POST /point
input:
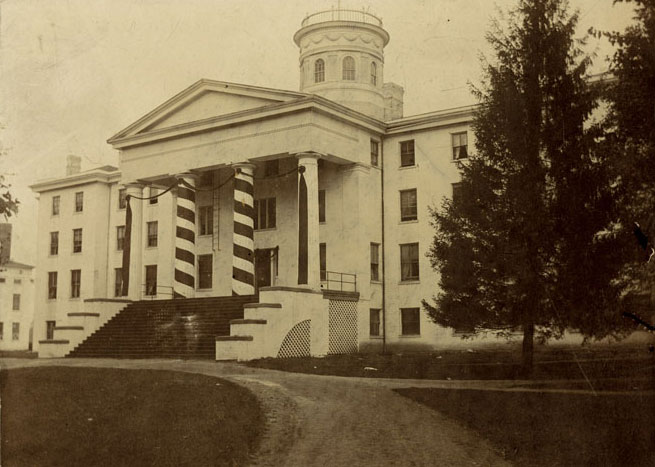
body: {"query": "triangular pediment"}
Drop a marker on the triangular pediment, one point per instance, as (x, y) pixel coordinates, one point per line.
(204, 100)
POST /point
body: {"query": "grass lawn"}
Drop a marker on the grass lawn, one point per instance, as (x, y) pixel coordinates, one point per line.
(59, 416)
(494, 363)
(547, 429)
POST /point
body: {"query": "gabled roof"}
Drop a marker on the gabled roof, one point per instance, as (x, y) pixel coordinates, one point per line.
(205, 99)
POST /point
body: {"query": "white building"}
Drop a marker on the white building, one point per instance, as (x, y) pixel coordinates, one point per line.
(315, 202)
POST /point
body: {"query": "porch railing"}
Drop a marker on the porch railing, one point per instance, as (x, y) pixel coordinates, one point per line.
(152, 291)
(341, 14)
(341, 281)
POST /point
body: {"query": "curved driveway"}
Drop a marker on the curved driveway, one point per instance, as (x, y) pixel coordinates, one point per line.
(330, 420)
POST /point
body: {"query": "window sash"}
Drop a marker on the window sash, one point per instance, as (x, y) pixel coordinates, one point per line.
(15, 331)
(77, 240)
(374, 74)
(348, 69)
(410, 321)
(321, 205)
(408, 205)
(322, 252)
(407, 153)
(272, 168)
(375, 262)
(374, 322)
(118, 282)
(120, 237)
(50, 329)
(15, 305)
(205, 270)
(460, 145)
(76, 279)
(55, 205)
(375, 151)
(409, 264)
(265, 213)
(52, 285)
(319, 71)
(206, 220)
(54, 243)
(122, 198)
(153, 192)
(79, 201)
(152, 234)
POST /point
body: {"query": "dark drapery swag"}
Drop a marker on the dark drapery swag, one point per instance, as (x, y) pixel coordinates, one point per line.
(125, 270)
(302, 228)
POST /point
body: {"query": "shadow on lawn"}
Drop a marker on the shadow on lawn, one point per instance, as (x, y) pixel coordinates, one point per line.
(548, 429)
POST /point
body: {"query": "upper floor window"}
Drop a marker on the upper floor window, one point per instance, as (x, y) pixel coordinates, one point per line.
(349, 69)
(2, 330)
(374, 74)
(79, 201)
(16, 302)
(322, 259)
(265, 213)
(410, 321)
(122, 198)
(407, 158)
(460, 145)
(408, 208)
(76, 280)
(55, 205)
(152, 234)
(457, 191)
(120, 237)
(321, 205)
(206, 220)
(52, 285)
(375, 261)
(272, 168)
(118, 282)
(77, 240)
(54, 243)
(409, 262)
(375, 153)
(153, 192)
(319, 71)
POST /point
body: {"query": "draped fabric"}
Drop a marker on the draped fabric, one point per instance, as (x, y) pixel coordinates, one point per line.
(127, 243)
(303, 247)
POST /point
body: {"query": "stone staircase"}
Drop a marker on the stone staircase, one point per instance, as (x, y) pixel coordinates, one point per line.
(182, 328)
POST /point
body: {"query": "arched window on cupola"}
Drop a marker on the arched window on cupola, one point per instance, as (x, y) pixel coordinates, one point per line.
(374, 74)
(349, 69)
(319, 71)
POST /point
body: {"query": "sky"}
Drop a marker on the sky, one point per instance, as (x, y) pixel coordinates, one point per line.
(75, 72)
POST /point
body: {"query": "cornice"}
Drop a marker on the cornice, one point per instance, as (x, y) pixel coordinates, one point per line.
(430, 120)
(84, 178)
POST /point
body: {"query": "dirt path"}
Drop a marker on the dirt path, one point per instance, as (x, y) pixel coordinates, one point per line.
(332, 421)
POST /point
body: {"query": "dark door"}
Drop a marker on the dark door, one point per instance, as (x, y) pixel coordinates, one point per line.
(263, 267)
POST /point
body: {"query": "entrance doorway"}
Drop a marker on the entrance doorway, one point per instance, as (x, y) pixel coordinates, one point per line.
(265, 266)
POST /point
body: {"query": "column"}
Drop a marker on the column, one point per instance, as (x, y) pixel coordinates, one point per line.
(184, 284)
(243, 256)
(308, 241)
(133, 243)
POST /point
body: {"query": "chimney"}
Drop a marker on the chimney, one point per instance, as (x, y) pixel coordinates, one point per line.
(393, 101)
(5, 243)
(73, 164)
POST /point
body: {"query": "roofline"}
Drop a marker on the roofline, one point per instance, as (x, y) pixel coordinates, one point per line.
(83, 178)
(16, 265)
(197, 85)
(307, 102)
(432, 119)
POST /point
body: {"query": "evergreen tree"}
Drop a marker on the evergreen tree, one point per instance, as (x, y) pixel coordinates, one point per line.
(520, 244)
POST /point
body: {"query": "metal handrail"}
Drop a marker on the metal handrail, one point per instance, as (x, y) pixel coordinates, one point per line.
(339, 281)
(169, 292)
(340, 14)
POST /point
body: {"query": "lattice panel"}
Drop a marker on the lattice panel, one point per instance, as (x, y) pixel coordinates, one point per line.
(296, 342)
(343, 327)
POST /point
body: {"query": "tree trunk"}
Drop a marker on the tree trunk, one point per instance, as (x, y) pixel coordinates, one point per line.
(528, 348)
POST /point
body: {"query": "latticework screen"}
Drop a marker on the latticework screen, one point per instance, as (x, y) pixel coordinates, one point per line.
(343, 327)
(296, 342)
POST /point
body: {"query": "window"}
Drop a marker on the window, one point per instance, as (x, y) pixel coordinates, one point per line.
(374, 322)
(118, 282)
(457, 191)
(18, 281)
(375, 153)
(50, 330)
(374, 74)
(2, 330)
(319, 71)
(460, 145)
(272, 168)
(16, 302)
(120, 237)
(410, 321)
(122, 198)
(321, 205)
(375, 261)
(52, 285)
(55, 205)
(15, 331)
(407, 158)
(349, 69)
(2, 280)
(54, 243)
(76, 279)
(153, 192)
(77, 240)
(206, 220)
(408, 205)
(322, 252)
(265, 213)
(205, 267)
(152, 234)
(79, 201)
(409, 262)
(151, 280)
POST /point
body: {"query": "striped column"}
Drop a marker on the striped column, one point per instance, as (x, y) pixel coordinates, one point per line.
(243, 257)
(185, 238)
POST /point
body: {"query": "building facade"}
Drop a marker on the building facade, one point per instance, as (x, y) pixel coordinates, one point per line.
(229, 189)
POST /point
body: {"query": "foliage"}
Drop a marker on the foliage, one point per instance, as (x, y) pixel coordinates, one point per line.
(8, 204)
(522, 244)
